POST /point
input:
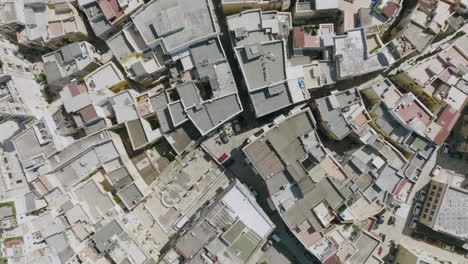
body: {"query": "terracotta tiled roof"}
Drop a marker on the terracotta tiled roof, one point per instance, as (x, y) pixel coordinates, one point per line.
(390, 9)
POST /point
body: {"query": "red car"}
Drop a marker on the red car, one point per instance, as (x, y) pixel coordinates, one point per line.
(223, 158)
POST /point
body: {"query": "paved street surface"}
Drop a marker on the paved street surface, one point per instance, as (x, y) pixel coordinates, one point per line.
(449, 161)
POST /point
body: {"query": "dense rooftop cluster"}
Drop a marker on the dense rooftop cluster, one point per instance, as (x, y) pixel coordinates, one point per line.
(209, 131)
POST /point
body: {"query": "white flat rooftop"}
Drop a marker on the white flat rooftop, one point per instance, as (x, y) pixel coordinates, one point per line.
(247, 212)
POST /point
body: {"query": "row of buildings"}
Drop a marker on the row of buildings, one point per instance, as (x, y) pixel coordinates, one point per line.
(112, 173)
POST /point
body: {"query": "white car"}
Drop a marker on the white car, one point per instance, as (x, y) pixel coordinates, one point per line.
(417, 209)
(413, 223)
(435, 171)
(422, 196)
(276, 238)
(445, 148)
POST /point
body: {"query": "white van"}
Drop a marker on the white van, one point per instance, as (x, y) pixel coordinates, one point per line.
(275, 237)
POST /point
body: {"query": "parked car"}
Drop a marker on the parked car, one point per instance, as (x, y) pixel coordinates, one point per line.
(253, 191)
(422, 196)
(413, 223)
(391, 220)
(236, 126)
(417, 209)
(276, 238)
(382, 236)
(223, 158)
(224, 138)
(445, 148)
(267, 245)
(435, 171)
(380, 220)
(417, 236)
(448, 247)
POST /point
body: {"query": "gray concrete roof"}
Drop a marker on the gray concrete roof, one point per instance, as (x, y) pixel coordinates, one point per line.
(60, 246)
(194, 240)
(333, 118)
(262, 64)
(189, 94)
(70, 51)
(130, 195)
(417, 35)
(282, 146)
(136, 133)
(85, 162)
(366, 245)
(205, 55)
(205, 115)
(6, 211)
(159, 103)
(177, 22)
(30, 200)
(250, 20)
(313, 194)
(178, 114)
(277, 181)
(120, 178)
(179, 139)
(98, 202)
(352, 57)
(52, 71)
(120, 46)
(100, 25)
(347, 97)
(271, 99)
(104, 238)
(28, 147)
(388, 179)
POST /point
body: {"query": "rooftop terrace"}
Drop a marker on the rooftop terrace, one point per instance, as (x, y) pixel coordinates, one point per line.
(262, 64)
(178, 23)
(352, 56)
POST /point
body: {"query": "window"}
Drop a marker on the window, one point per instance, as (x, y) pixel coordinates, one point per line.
(430, 218)
(424, 215)
(19, 181)
(434, 187)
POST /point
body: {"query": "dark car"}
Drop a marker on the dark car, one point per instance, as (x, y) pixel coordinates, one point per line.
(417, 236)
(380, 220)
(391, 220)
(224, 138)
(382, 236)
